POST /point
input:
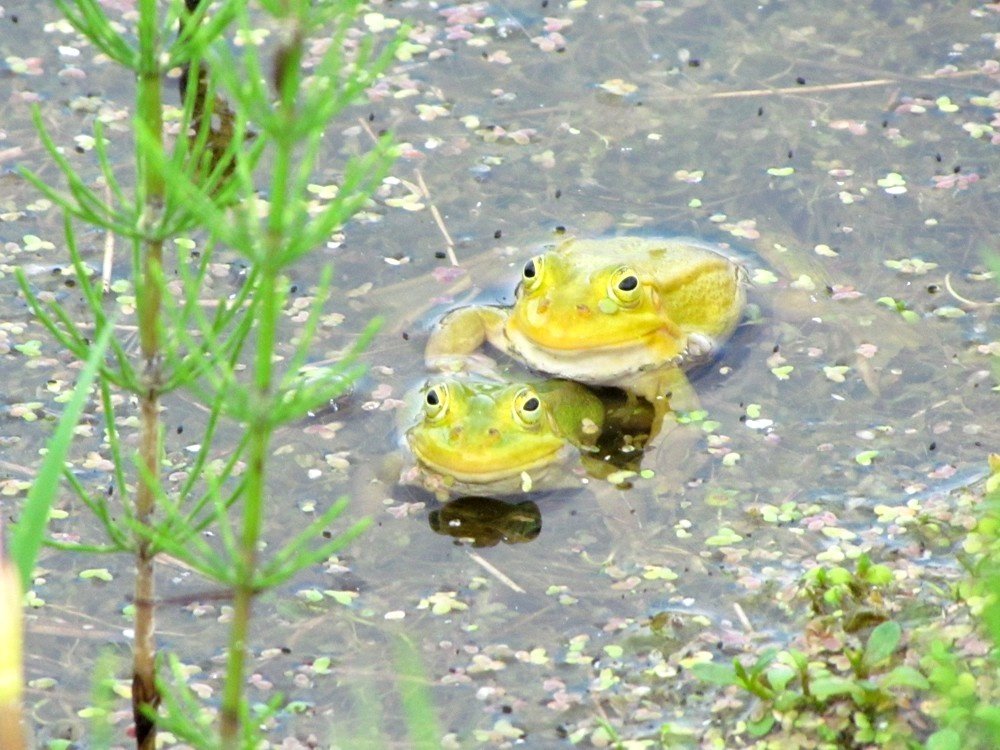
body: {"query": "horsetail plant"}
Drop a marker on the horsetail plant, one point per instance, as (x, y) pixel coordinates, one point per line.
(207, 182)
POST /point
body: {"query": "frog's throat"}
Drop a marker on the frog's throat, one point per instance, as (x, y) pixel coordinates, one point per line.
(601, 366)
(484, 476)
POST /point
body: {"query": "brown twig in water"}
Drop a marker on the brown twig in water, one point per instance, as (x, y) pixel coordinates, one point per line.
(496, 573)
(964, 300)
(449, 242)
(108, 260)
(819, 88)
(742, 617)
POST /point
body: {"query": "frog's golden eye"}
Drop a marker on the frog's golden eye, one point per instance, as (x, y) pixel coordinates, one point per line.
(531, 274)
(527, 407)
(624, 287)
(436, 402)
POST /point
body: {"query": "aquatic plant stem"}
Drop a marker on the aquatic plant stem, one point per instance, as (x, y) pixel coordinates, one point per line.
(261, 429)
(149, 275)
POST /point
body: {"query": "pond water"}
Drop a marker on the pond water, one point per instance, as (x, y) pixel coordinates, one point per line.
(845, 151)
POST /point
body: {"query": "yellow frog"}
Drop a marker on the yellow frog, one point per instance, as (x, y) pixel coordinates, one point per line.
(481, 437)
(627, 312)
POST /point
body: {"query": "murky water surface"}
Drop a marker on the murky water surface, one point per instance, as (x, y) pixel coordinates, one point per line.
(846, 151)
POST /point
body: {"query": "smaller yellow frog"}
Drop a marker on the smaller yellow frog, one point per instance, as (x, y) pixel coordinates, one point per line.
(481, 437)
(627, 312)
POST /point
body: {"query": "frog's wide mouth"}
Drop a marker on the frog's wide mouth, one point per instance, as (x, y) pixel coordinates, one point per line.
(590, 338)
(480, 468)
(597, 364)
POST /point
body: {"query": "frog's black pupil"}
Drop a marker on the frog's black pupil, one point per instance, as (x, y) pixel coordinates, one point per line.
(628, 283)
(432, 398)
(529, 269)
(531, 404)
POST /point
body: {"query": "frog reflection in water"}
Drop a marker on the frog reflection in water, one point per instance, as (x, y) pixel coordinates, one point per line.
(627, 312)
(481, 437)
(486, 521)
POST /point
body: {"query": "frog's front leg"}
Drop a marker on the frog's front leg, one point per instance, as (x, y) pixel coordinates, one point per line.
(669, 391)
(458, 336)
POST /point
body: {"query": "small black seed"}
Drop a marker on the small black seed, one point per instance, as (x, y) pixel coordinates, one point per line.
(558, 194)
(801, 81)
(371, 117)
(956, 169)
(180, 429)
(497, 234)
(694, 62)
(760, 111)
(560, 229)
(932, 446)
(406, 336)
(440, 255)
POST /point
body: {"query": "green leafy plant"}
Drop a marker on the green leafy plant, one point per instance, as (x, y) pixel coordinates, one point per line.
(843, 685)
(967, 689)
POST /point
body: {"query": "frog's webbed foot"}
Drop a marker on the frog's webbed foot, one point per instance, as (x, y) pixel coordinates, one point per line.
(478, 364)
(460, 334)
